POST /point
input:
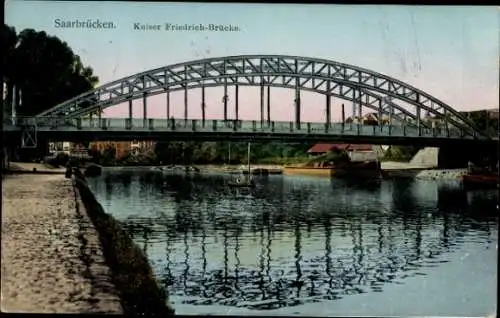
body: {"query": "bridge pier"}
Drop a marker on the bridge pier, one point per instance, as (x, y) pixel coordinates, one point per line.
(453, 157)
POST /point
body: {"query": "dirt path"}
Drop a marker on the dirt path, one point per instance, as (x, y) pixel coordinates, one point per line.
(51, 258)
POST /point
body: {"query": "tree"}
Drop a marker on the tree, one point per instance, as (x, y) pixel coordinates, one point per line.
(44, 68)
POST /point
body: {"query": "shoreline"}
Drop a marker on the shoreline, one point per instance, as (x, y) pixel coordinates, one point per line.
(131, 271)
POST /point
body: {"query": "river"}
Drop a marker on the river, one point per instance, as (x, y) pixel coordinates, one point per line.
(311, 246)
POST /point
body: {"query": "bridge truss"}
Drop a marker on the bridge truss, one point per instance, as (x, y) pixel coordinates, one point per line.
(366, 89)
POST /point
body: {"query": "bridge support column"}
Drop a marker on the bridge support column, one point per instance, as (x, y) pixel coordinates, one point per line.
(203, 106)
(236, 101)
(145, 109)
(268, 105)
(328, 111)
(224, 99)
(297, 105)
(185, 105)
(261, 102)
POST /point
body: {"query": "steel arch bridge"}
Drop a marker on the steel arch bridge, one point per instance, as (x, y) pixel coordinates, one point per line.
(383, 95)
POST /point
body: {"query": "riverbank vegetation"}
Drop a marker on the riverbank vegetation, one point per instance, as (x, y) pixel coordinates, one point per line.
(400, 153)
(217, 153)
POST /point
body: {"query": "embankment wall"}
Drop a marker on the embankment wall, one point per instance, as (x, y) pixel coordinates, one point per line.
(132, 275)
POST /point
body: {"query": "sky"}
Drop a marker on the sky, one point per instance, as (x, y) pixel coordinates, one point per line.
(449, 52)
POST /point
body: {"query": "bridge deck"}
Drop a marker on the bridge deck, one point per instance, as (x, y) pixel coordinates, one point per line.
(126, 129)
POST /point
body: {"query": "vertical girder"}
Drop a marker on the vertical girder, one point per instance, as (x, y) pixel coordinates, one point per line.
(203, 106)
(144, 101)
(268, 104)
(145, 106)
(343, 114)
(224, 99)
(297, 97)
(262, 101)
(236, 102)
(185, 104)
(328, 105)
(130, 110)
(168, 104)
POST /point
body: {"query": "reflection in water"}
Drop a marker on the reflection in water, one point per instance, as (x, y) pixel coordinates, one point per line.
(295, 240)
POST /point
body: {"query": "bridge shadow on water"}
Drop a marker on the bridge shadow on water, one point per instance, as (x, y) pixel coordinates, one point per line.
(294, 240)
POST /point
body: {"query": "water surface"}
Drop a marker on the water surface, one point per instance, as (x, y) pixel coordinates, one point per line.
(311, 246)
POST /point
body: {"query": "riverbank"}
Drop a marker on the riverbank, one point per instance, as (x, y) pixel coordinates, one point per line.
(32, 168)
(52, 261)
(131, 272)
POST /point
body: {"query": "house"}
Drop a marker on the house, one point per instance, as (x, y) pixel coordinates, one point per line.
(357, 152)
(123, 147)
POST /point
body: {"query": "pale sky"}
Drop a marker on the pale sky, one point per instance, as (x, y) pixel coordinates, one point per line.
(449, 52)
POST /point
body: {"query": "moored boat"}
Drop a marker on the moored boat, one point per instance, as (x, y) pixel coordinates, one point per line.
(480, 180)
(369, 169)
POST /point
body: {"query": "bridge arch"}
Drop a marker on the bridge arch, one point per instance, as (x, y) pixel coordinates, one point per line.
(383, 94)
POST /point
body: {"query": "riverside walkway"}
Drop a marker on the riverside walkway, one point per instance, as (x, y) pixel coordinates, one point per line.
(52, 261)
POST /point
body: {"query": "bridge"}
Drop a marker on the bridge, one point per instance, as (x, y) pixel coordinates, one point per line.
(404, 113)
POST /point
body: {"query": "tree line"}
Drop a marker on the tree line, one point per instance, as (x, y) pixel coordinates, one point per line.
(192, 153)
(42, 69)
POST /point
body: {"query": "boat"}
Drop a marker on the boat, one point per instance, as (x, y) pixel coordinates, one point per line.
(480, 180)
(481, 177)
(245, 180)
(368, 169)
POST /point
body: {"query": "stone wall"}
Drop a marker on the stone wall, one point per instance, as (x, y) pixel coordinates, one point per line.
(132, 275)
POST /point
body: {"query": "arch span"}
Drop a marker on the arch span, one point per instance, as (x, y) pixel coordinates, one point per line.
(381, 93)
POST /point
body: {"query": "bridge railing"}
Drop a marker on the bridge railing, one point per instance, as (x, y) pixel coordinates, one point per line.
(194, 125)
